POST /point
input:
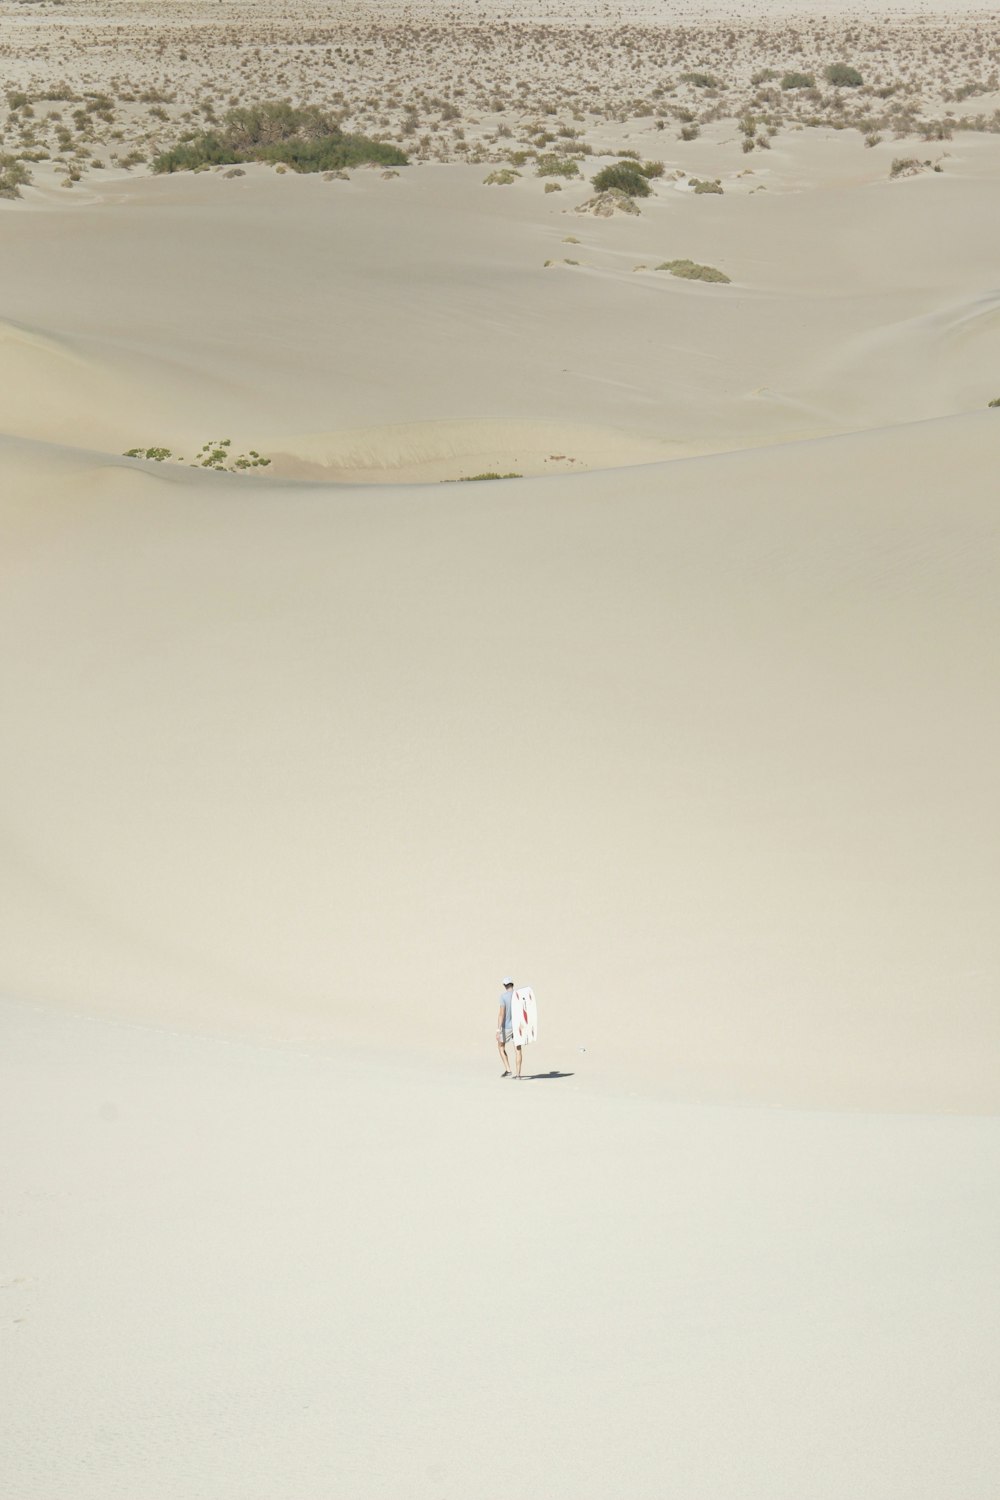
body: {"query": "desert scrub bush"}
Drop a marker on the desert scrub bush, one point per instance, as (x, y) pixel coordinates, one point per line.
(556, 166)
(795, 80)
(690, 132)
(764, 75)
(706, 185)
(701, 80)
(910, 166)
(690, 270)
(652, 169)
(155, 455)
(216, 455)
(307, 140)
(842, 76)
(994, 402)
(470, 478)
(59, 93)
(626, 176)
(503, 177)
(14, 175)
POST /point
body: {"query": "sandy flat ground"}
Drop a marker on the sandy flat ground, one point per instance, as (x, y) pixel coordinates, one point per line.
(694, 726)
(303, 1273)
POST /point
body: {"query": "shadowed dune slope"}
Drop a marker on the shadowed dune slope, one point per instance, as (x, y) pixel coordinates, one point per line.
(706, 750)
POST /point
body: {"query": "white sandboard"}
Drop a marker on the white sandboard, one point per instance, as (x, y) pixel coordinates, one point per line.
(524, 1017)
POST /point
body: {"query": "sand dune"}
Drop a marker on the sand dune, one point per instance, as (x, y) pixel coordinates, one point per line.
(694, 726)
(715, 735)
(415, 451)
(172, 325)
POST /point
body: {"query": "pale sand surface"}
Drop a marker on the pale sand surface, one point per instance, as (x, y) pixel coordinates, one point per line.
(695, 727)
(244, 1271)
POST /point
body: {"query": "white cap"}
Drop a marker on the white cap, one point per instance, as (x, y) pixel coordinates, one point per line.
(506, 981)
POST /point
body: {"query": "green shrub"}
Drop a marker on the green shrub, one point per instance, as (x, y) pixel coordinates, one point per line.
(651, 169)
(690, 132)
(994, 402)
(14, 175)
(703, 185)
(156, 455)
(555, 166)
(690, 270)
(701, 80)
(502, 177)
(764, 75)
(798, 81)
(842, 76)
(307, 140)
(626, 176)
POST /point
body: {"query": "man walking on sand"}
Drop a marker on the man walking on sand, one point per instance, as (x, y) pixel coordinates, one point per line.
(505, 1028)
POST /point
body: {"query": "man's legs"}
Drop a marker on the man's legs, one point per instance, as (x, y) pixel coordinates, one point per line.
(502, 1049)
(518, 1053)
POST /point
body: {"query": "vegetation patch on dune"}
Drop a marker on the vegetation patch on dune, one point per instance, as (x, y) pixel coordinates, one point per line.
(14, 175)
(690, 270)
(487, 95)
(307, 140)
(490, 474)
(911, 166)
(706, 185)
(556, 166)
(215, 454)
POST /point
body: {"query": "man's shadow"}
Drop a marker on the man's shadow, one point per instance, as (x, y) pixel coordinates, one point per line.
(540, 1077)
